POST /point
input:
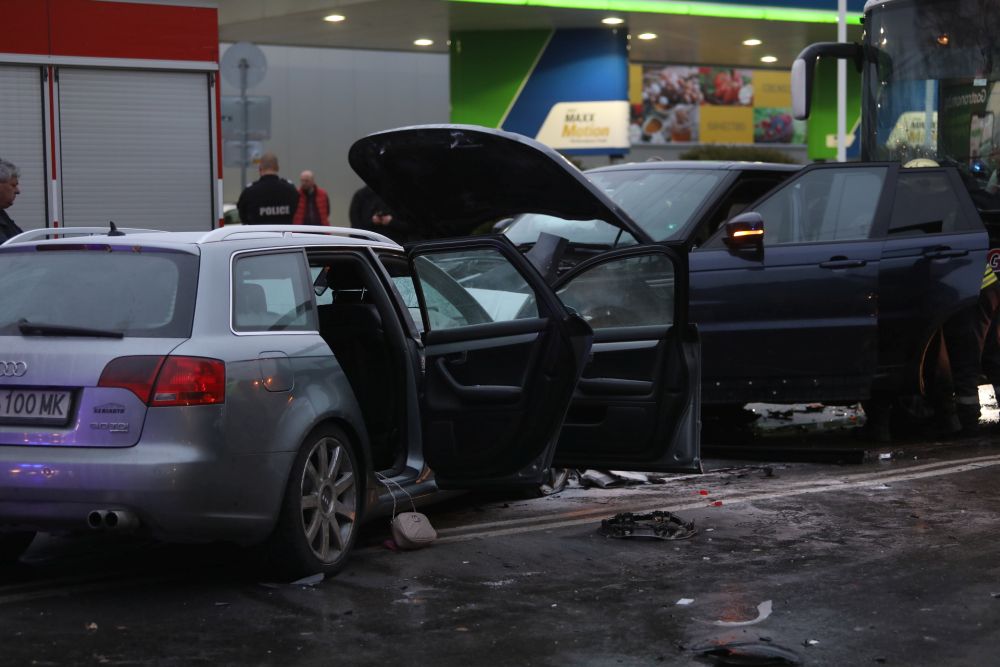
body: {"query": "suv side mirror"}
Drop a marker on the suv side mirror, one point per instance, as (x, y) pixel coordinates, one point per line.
(745, 231)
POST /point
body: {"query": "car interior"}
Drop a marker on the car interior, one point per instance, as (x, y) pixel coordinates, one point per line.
(352, 321)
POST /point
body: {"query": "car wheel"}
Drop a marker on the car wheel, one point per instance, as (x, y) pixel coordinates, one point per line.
(13, 545)
(321, 509)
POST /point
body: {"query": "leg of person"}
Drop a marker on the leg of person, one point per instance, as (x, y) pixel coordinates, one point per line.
(963, 341)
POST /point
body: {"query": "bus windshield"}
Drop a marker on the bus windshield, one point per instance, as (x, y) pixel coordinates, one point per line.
(931, 78)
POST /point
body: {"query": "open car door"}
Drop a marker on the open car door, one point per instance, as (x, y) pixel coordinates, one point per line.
(502, 356)
(637, 405)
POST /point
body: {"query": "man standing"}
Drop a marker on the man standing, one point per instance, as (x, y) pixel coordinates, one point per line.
(270, 200)
(8, 191)
(314, 203)
(368, 211)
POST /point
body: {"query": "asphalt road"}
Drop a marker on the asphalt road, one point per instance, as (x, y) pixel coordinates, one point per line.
(886, 562)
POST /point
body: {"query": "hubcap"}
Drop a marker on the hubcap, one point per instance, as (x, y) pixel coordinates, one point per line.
(329, 499)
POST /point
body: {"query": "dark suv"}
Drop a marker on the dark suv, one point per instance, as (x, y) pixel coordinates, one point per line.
(829, 286)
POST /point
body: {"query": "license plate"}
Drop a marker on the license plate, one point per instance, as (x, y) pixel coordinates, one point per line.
(34, 406)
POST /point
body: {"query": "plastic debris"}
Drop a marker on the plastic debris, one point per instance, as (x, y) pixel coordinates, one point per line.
(702, 492)
(763, 611)
(716, 503)
(810, 642)
(885, 456)
(91, 626)
(684, 601)
(311, 580)
(658, 525)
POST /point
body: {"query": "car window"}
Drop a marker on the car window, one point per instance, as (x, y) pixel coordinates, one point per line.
(625, 292)
(272, 292)
(823, 205)
(925, 203)
(144, 293)
(472, 286)
(751, 187)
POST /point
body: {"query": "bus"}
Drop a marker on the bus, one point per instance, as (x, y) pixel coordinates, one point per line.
(930, 73)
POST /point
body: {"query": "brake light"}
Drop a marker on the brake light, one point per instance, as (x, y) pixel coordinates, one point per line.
(166, 381)
(190, 381)
(137, 374)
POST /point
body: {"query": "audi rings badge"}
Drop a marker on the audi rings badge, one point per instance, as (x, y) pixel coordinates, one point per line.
(13, 369)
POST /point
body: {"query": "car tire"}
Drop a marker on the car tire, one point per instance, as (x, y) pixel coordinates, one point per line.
(13, 545)
(321, 510)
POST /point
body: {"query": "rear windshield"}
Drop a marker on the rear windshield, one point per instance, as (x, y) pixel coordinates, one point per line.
(145, 293)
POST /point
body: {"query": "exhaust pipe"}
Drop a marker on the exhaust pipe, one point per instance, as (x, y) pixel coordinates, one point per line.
(118, 520)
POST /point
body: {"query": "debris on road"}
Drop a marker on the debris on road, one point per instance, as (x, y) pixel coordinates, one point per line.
(747, 653)
(658, 525)
(763, 612)
(810, 642)
(684, 601)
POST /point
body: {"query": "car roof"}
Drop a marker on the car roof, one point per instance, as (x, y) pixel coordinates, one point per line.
(296, 235)
(716, 165)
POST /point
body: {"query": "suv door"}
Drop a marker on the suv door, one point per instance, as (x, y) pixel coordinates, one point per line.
(501, 357)
(637, 405)
(796, 318)
(932, 263)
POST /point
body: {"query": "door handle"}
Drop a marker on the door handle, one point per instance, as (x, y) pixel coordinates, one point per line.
(944, 252)
(841, 262)
(480, 393)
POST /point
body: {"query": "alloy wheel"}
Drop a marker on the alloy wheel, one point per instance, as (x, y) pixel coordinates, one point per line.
(329, 499)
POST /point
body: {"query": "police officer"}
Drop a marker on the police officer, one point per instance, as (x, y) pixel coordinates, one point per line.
(270, 200)
(8, 191)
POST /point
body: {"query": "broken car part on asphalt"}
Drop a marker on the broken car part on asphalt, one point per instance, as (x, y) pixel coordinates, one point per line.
(658, 525)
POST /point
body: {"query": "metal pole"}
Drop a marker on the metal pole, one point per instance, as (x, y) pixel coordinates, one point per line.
(245, 103)
(841, 84)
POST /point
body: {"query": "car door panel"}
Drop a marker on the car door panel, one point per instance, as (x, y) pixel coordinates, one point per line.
(932, 264)
(498, 379)
(797, 318)
(637, 404)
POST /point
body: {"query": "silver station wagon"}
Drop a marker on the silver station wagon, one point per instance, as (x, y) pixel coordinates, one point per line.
(276, 384)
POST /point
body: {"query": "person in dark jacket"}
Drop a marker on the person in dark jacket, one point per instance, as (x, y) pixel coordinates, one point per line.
(314, 202)
(368, 211)
(9, 175)
(270, 200)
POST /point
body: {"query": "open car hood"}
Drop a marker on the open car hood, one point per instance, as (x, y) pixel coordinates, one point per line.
(446, 180)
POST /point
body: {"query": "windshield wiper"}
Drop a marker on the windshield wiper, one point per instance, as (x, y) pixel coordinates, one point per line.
(41, 329)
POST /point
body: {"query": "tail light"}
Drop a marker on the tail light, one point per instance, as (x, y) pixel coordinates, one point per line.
(166, 381)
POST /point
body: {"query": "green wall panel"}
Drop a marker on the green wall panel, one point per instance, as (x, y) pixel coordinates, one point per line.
(823, 117)
(487, 69)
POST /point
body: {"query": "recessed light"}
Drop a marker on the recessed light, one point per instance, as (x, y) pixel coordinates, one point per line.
(334, 18)
(769, 59)
(612, 20)
(752, 42)
(423, 41)
(647, 35)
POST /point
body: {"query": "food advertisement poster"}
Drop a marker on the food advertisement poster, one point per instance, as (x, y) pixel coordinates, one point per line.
(680, 103)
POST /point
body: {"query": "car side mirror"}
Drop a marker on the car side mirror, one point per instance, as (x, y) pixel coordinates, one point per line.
(746, 230)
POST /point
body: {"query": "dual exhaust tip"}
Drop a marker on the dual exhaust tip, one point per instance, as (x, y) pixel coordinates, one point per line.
(123, 520)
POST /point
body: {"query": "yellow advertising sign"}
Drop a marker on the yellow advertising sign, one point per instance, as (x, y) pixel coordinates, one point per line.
(772, 89)
(634, 83)
(726, 125)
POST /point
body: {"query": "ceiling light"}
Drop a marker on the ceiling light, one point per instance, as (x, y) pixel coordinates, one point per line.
(423, 41)
(334, 18)
(752, 42)
(647, 35)
(612, 20)
(769, 59)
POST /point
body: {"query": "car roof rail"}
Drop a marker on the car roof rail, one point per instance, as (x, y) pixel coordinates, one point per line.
(48, 232)
(223, 233)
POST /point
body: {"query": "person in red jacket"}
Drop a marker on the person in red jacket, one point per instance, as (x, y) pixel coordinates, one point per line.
(314, 203)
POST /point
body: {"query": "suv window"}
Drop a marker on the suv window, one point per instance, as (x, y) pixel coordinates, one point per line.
(273, 293)
(925, 203)
(149, 293)
(625, 292)
(836, 204)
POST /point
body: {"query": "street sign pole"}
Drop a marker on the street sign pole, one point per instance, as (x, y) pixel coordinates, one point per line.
(244, 68)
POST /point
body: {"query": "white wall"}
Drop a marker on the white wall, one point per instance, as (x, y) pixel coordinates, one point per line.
(322, 100)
